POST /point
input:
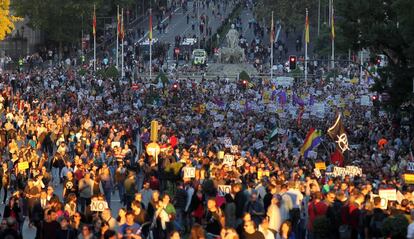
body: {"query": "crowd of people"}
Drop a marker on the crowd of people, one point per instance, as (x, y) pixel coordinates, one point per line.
(218, 175)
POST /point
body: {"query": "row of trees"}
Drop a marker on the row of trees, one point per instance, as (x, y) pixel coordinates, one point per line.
(382, 26)
(63, 21)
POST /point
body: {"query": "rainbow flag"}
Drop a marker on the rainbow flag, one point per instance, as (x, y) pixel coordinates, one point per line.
(313, 138)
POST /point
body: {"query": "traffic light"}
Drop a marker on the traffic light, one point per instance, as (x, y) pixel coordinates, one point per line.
(374, 98)
(292, 62)
(378, 61)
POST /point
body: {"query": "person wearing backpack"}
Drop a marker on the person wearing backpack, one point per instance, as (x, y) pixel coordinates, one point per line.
(377, 218)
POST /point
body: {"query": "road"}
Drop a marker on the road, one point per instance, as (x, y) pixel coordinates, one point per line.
(178, 24)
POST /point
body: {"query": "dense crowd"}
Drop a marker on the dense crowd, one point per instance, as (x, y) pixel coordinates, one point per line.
(218, 175)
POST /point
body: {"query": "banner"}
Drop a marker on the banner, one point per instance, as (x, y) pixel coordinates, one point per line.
(409, 178)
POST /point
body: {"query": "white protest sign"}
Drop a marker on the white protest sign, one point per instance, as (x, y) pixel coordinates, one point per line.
(216, 124)
(410, 166)
(283, 81)
(224, 189)
(317, 173)
(234, 149)
(365, 101)
(389, 194)
(312, 154)
(258, 145)
(189, 172)
(228, 159)
(227, 142)
(400, 197)
(219, 117)
(115, 144)
(98, 206)
(195, 131)
(240, 162)
(351, 171)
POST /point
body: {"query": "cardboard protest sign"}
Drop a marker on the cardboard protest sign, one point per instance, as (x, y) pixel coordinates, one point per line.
(228, 159)
(189, 172)
(240, 162)
(389, 194)
(220, 154)
(320, 165)
(98, 206)
(224, 189)
(352, 171)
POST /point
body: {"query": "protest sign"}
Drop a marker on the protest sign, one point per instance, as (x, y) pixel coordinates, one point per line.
(115, 144)
(365, 100)
(409, 178)
(352, 171)
(283, 81)
(389, 194)
(410, 166)
(227, 142)
(220, 154)
(312, 154)
(189, 172)
(317, 172)
(400, 197)
(258, 145)
(98, 206)
(234, 149)
(240, 162)
(320, 165)
(23, 166)
(228, 159)
(216, 124)
(195, 131)
(224, 189)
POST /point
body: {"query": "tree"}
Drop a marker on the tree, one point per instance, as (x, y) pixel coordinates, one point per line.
(290, 12)
(6, 20)
(388, 29)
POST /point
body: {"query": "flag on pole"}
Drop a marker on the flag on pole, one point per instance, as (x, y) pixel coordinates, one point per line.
(312, 140)
(332, 25)
(307, 28)
(122, 33)
(272, 31)
(338, 133)
(94, 21)
(150, 26)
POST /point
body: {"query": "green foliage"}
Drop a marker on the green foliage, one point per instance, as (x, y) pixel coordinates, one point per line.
(214, 42)
(111, 72)
(395, 227)
(290, 12)
(244, 76)
(82, 72)
(62, 21)
(164, 79)
(388, 29)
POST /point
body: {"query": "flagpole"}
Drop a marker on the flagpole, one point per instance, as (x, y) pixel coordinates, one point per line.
(306, 45)
(150, 47)
(94, 38)
(122, 44)
(333, 36)
(271, 50)
(117, 38)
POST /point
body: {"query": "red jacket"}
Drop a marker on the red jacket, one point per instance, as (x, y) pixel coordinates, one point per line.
(315, 210)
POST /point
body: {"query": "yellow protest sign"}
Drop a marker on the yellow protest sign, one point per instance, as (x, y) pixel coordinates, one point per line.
(23, 166)
(320, 165)
(347, 113)
(409, 178)
(220, 155)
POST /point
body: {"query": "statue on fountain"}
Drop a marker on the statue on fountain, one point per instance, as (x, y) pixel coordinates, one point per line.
(233, 53)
